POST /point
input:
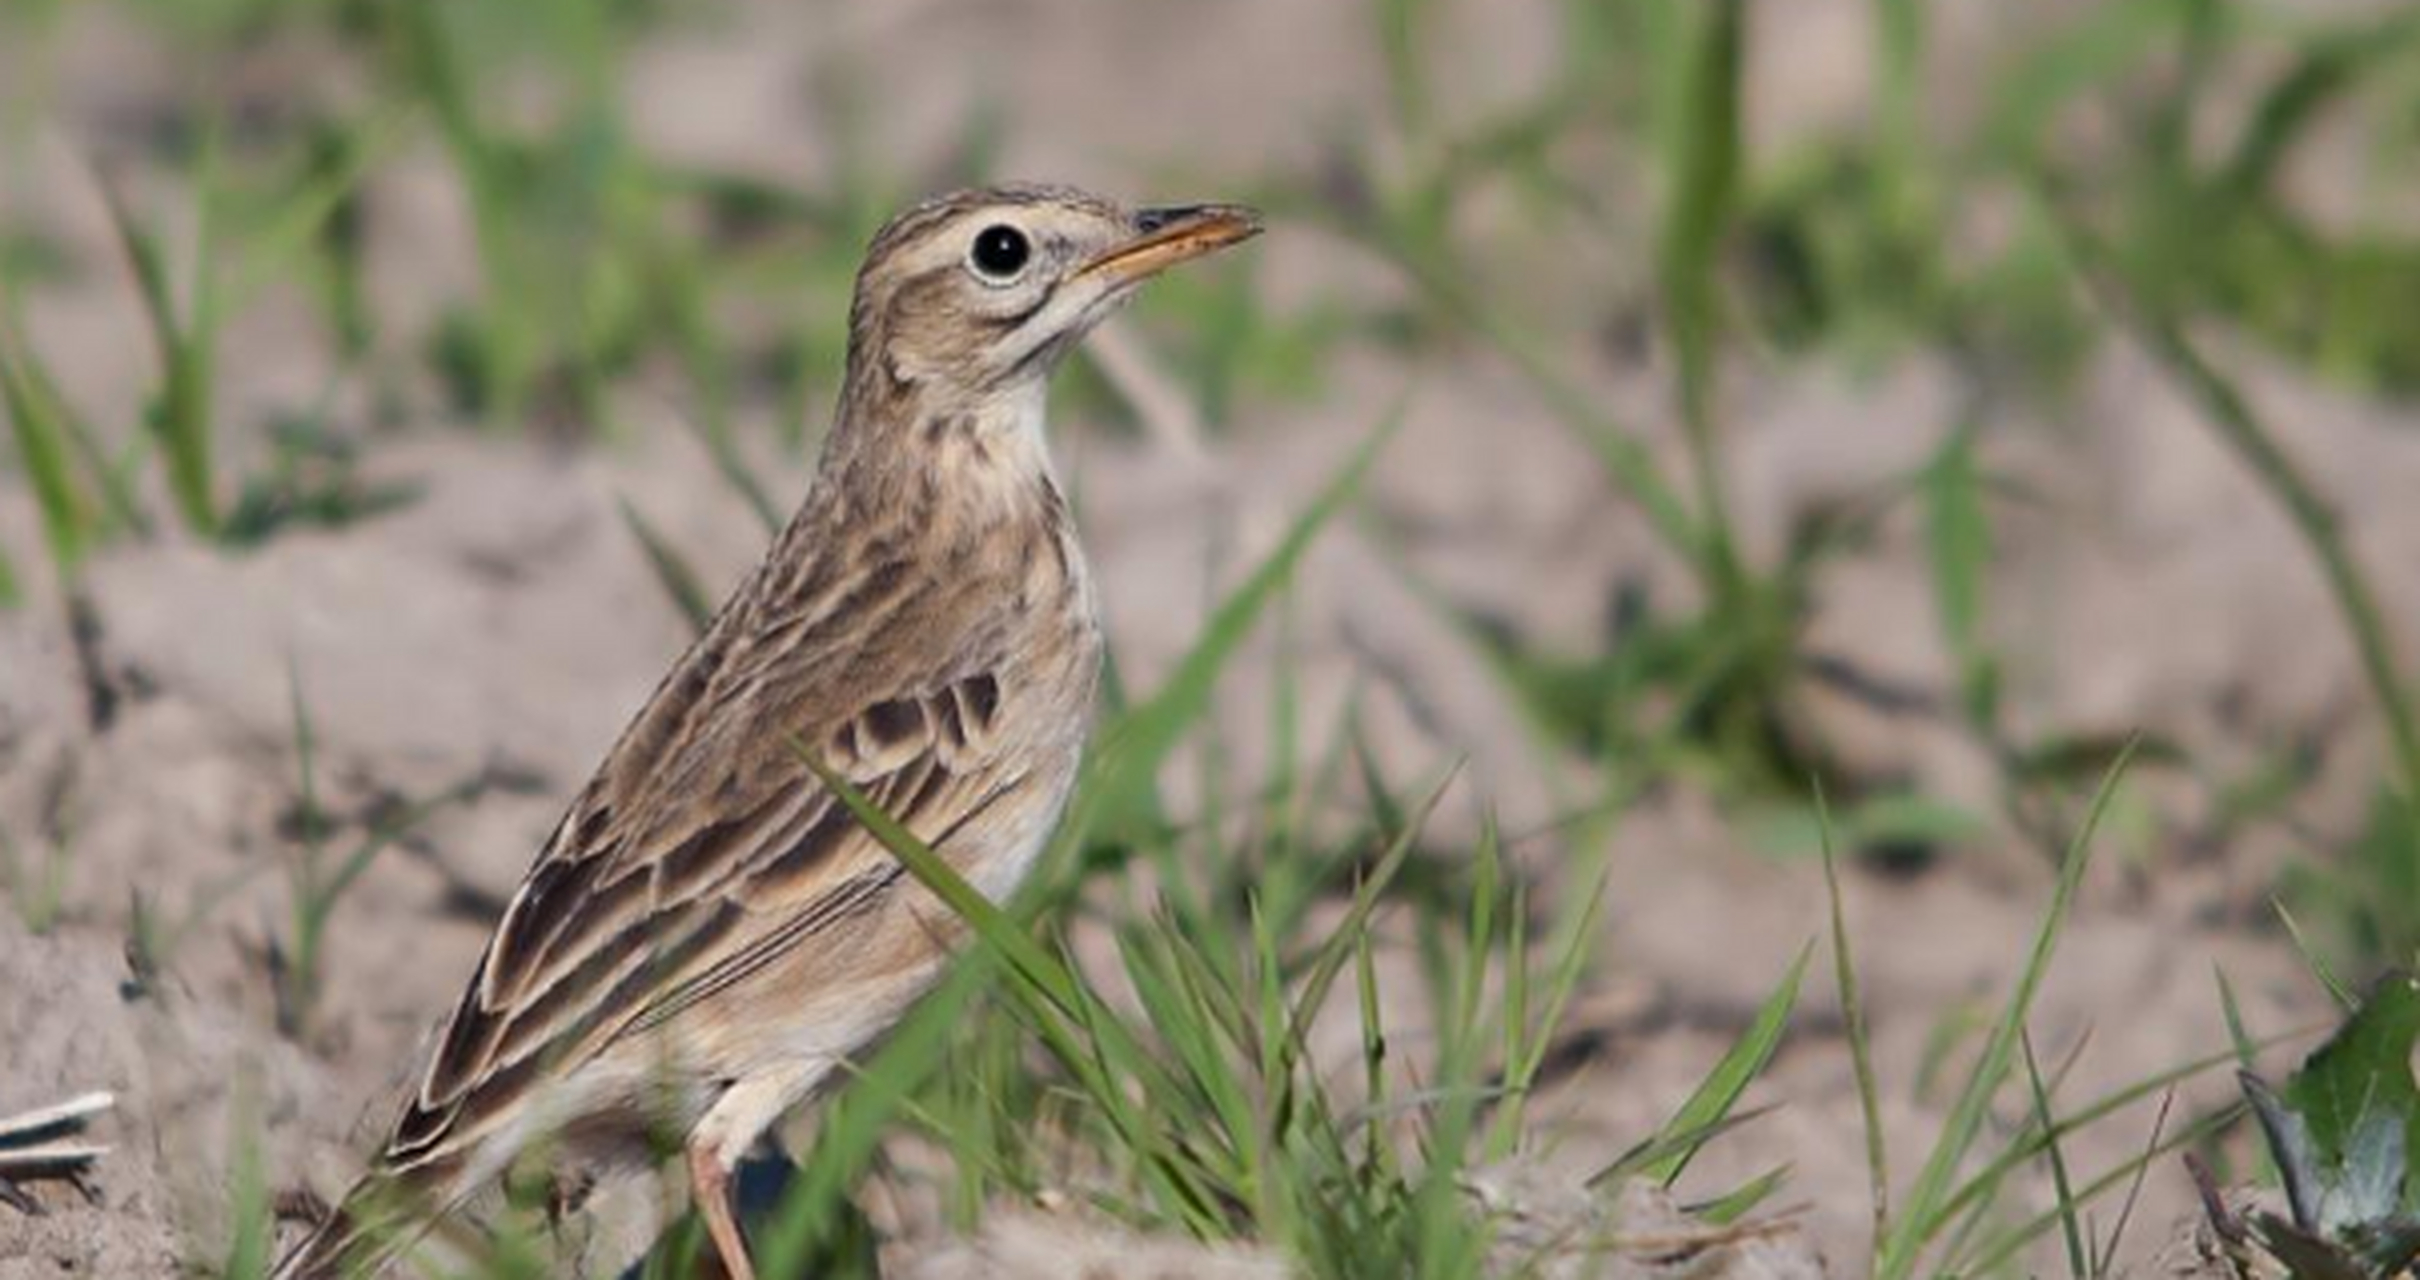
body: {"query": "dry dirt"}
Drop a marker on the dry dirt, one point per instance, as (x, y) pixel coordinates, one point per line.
(506, 621)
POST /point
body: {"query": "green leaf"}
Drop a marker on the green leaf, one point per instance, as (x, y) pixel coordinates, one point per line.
(2342, 1129)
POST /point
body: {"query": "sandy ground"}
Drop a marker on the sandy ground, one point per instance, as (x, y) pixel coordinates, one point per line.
(505, 621)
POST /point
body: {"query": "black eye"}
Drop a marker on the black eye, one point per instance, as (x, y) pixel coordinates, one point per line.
(1001, 251)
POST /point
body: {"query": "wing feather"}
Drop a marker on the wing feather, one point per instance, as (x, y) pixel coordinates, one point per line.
(618, 930)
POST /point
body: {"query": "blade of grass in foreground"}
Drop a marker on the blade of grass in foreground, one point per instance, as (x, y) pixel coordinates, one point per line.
(1123, 769)
(1861, 1045)
(2071, 1233)
(1528, 1045)
(1996, 1254)
(1090, 1041)
(1715, 1096)
(672, 571)
(1926, 1212)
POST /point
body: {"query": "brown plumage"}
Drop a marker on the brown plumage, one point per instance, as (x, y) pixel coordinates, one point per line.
(708, 932)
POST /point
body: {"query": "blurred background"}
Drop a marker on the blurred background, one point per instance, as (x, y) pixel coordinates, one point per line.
(1950, 433)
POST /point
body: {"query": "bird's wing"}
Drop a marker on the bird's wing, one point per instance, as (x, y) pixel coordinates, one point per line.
(695, 860)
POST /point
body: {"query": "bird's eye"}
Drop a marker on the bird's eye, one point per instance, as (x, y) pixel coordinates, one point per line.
(1001, 251)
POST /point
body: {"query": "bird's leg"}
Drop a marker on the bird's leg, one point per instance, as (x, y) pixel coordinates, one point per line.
(710, 1191)
(737, 1119)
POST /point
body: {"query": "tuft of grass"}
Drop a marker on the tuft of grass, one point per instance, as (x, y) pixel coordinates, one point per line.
(1942, 1222)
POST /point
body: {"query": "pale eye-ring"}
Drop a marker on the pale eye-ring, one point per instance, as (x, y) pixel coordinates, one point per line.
(1000, 252)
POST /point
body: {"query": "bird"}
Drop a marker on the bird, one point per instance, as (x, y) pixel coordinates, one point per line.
(709, 933)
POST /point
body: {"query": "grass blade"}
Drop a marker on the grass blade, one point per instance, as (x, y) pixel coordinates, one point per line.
(1861, 1044)
(179, 418)
(672, 571)
(1704, 152)
(1124, 769)
(1927, 1209)
(2070, 1231)
(1999, 1251)
(42, 447)
(1711, 1103)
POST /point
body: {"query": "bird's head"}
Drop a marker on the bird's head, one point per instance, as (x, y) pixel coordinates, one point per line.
(971, 298)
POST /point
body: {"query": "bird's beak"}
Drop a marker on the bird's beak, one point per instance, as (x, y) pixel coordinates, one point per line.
(1165, 237)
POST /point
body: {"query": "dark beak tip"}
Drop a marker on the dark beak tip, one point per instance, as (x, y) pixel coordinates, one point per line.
(1162, 217)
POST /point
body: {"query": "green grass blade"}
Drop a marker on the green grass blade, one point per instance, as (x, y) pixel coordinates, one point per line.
(672, 571)
(307, 207)
(1124, 769)
(1521, 1072)
(179, 418)
(990, 924)
(1330, 959)
(248, 1201)
(2079, 1267)
(2338, 990)
(1731, 1206)
(1998, 1252)
(1715, 1096)
(1704, 153)
(42, 447)
(1860, 1036)
(1927, 1210)
(2239, 1032)
(120, 507)
(2028, 1145)
(854, 1124)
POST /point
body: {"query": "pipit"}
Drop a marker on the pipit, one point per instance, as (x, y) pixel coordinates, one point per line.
(709, 932)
